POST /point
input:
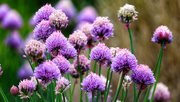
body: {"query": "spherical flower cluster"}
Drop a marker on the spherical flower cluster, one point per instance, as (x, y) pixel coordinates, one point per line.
(124, 61)
(102, 28)
(56, 41)
(162, 34)
(86, 29)
(43, 13)
(161, 92)
(78, 39)
(34, 48)
(93, 82)
(14, 90)
(73, 72)
(69, 52)
(126, 82)
(101, 53)
(142, 76)
(43, 30)
(12, 20)
(114, 50)
(0, 71)
(14, 40)
(67, 7)
(62, 63)
(4, 9)
(59, 19)
(47, 71)
(87, 14)
(84, 64)
(26, 88)
(127, 13)
(62, 85)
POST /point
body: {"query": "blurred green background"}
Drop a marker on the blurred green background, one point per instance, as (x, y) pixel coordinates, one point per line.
(151, 14)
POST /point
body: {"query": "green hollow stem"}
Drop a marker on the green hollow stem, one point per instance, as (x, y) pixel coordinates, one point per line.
(52, 92)
(60, 96)
(80, 78)
(92, 96)
(138, 96)
(125, 94)
(73, 87)
(3, 95)
(66, 96)
(41, 93)
(157, 76)
(70, 92)
(122, 95)
(109, 84)
(107, 80)
(154, 72)
(64, 99)
(99, 92)
(16, 99)
(95, 63)
(119, 88)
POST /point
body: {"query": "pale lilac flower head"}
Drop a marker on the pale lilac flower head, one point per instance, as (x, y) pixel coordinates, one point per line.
(62, 84)
(127, 14)
(43, 13)
(26, 88)
(126, 82)
(58, 19)
(25, 71)
(47, 71)
(124, 61)
(78, 39)
(12, 20)
(86, 29)
(69, 52)
(56, 41)
(73, 72)
(142, 76)
(34, 48)
(14, 90)
(4, 9)
(84, 64)
(101, 53)
(0, 70)
(32, 23)
(87, 14)
(67, 7)
(62, 63)
(93, 82)
(161, 93)
(162, 34)
(102, 28)
(43, 30)
(14, 40)
(114, 50)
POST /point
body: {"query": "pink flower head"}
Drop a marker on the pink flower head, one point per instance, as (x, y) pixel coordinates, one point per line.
(62, 85)
(0, 70)
(59, 19)
(73, 72)
(26, 88)
(114, 50)
(14, 90)
(78, 39)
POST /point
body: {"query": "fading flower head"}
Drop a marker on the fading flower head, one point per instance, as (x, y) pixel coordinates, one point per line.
(4, 9)
(126, 82)
(73, 72)
(102, 28)
(62, 84)
(142, 76)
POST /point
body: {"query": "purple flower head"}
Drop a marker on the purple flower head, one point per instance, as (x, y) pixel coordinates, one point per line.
(93, 82)
(162, 34)
(55, 42)
(86, 29)
(43, 13)
(0, 70)
(62, 63)
(83, 62)
(142, 76)
(25, 71)
(4, 9)
(78, 39)
(102, 28)
(62, 84)
(32, 23)
(34, 49)
(43, 30)
(73, 72)
(127, 14)
(101, 53)
(95, 96)
(12, 20)
(69, 52)
(58, 19)
(26, 88)
(67, 7)
(47, 71)
(124, 61)
(14, 40)
(161, 93)
(87, 14)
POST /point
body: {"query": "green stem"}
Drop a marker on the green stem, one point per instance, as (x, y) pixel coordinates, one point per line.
(109, 84)
(60, 96)
(16, 99)
(138, 96)
(3, 95)
(122, 95)
(41, 93)
(70, 93)
(66, 96)
(92, 96)
(28, 60)
(119, 88)
(125, 94)
(80, 78)
(95, 63)
(157, 76)
(89, 53)
(52, 92)
(99, 69)
(154, 72)
(73, 87)
(99, 92)
(107, 80)
(64, 99)
(87, 100)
